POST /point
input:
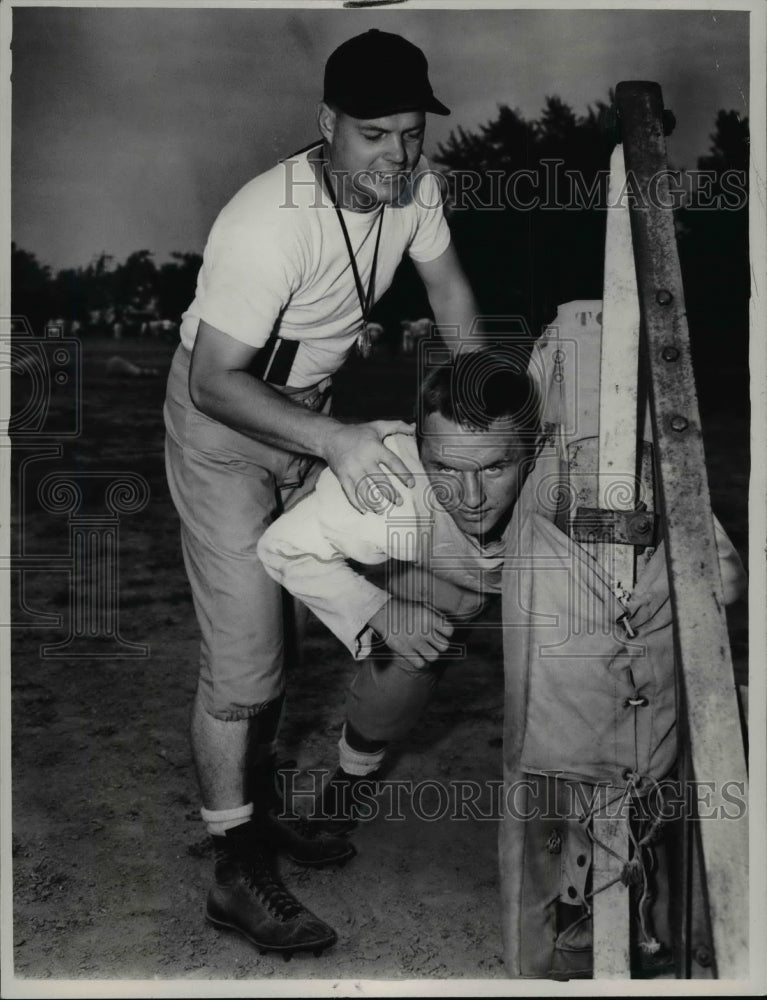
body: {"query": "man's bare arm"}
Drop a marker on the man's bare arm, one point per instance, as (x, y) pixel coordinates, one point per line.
(450, 295)
(222, 388)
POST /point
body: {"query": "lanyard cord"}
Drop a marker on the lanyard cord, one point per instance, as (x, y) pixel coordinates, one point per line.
(366, 301)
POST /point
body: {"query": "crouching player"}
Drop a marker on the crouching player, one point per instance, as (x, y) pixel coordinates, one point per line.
(441, 551)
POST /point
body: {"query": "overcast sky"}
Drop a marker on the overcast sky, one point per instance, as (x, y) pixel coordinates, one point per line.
(132, 127)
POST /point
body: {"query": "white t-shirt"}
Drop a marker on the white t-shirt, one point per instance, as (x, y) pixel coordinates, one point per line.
(276, 262)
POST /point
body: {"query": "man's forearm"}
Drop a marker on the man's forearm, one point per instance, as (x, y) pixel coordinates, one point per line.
(457, 308)
(255, 409)
(450, 295)
(222, 387)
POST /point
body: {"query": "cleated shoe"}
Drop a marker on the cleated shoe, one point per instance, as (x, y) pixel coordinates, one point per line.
(281, 830)
(249, 897)
(345, 799)
(302, 841)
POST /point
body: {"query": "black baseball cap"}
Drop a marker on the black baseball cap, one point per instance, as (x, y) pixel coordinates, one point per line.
(377, 74)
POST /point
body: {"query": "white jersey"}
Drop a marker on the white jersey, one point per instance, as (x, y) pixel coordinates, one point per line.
(276, 265)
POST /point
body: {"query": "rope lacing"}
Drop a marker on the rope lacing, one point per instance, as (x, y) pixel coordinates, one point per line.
(635, 867)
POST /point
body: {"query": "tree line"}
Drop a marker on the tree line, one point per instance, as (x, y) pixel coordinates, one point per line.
(543, 247)
(133, 293)
(522, 257)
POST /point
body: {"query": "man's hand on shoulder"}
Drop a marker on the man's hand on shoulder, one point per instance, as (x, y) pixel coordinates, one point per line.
(412, 630)
(363, 464)
(222, 387)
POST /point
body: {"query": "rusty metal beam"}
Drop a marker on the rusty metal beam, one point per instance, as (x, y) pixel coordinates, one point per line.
(696, 592)
(618, 527)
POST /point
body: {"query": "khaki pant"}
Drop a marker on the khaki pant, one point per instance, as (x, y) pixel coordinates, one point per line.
(227, 489)
(388, 695)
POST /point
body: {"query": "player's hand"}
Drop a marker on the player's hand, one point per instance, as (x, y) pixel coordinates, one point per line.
(414, 631)
(359, 459)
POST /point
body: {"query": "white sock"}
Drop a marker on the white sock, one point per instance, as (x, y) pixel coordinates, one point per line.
(219, 821)
(355, 761)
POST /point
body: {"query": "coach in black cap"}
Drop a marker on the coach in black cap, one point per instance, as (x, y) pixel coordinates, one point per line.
(292, 267)
(371, 77)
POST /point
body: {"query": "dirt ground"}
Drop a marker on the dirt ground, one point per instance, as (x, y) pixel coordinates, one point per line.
(110, 858)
